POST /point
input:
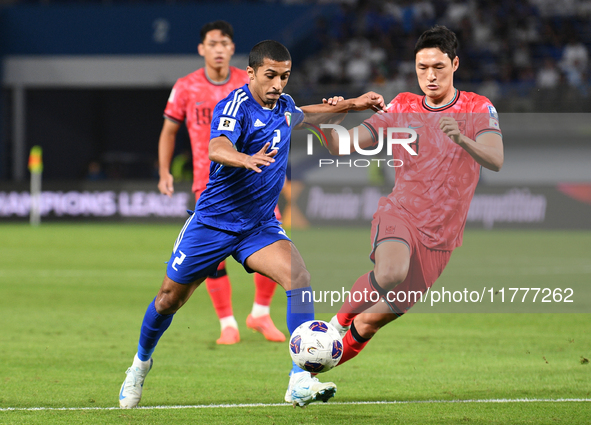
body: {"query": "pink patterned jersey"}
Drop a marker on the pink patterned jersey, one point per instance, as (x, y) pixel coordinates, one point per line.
(192, 100)
(433, 189)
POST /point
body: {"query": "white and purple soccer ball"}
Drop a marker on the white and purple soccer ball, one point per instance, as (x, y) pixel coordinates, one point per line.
(316, 346)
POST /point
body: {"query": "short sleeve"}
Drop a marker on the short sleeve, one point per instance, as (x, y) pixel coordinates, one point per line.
(486, 118)
(382, 120)
(176, 106)
(228, 119)
(297, 115)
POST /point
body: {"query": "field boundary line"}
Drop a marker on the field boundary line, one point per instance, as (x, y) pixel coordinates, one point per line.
(342, 403)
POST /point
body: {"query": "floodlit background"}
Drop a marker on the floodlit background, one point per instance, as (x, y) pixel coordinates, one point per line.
(88, 82)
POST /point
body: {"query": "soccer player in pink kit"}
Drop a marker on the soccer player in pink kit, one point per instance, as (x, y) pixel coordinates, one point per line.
(192, 101)
(417, 226)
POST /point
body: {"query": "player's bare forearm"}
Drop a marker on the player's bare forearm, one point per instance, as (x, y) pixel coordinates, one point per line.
(166, 144)
(369, 100)
(343, 106)
(222, 151)
(487, 151)
(333, 111)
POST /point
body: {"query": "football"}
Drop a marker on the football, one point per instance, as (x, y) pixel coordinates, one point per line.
(316, 346)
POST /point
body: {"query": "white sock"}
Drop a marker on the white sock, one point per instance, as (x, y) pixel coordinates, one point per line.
(260, 310)
(228, 321)
(138, 363)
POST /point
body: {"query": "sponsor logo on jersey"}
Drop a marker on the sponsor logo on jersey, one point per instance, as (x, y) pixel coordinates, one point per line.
(227, 124)
(493, 112)
(259, 123)
(171, 97)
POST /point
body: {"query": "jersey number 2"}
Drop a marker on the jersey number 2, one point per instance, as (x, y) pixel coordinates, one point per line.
(276, 140)
(178, 260)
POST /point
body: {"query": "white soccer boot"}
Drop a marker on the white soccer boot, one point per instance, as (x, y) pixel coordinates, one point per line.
(304, 389)
(342, 329)
(131, 389)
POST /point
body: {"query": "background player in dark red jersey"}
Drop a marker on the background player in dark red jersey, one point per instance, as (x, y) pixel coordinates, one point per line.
(416, 227)
(192, 101)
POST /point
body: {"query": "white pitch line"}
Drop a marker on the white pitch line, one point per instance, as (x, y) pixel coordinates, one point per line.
(343, 403)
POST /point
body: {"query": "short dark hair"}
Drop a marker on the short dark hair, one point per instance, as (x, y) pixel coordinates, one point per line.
(441, 37)
(223, 26)
(269, 49)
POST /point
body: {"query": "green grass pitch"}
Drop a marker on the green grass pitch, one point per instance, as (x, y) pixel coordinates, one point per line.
(72, 298)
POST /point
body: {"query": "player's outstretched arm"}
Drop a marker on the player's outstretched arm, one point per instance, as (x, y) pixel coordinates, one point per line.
(165, 152)
(333, 110)
(487, 150)
(369, 100)
(222, 151)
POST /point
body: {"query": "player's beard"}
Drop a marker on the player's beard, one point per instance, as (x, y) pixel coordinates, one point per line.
(271, 101)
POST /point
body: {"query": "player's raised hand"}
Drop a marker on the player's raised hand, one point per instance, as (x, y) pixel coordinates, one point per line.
(165, 185)
(261, 158)
(333, 118)
(333, 100)
(450, 127)
(370, 100)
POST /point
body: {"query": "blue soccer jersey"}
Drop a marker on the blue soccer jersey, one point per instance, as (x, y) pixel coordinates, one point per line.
(237, 199)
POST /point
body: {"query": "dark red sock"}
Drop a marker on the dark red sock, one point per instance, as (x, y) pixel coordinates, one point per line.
(363, 295)
(351, 347)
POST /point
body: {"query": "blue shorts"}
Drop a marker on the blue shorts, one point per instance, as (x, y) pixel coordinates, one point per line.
(199, 248)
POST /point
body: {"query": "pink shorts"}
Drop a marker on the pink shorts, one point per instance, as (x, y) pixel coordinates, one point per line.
(426, 264)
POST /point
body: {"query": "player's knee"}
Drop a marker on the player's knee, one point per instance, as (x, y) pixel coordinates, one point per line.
(367, 329)
(368, 324)
(300, 278)
(390, 275)
(167, 304)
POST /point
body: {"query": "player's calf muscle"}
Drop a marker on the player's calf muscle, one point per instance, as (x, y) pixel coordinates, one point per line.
(172, 295)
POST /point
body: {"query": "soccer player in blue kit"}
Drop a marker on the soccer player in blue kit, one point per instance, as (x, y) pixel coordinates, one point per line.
(249, 148)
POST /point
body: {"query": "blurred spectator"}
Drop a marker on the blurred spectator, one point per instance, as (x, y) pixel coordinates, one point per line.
(482, 33)
(548, 76)
(507, 48)
(491, 89)
(390, 86)
(358, 69)
(574, 55)
(456, 11)
(522, 56)
(329, 68)
(424, 13)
